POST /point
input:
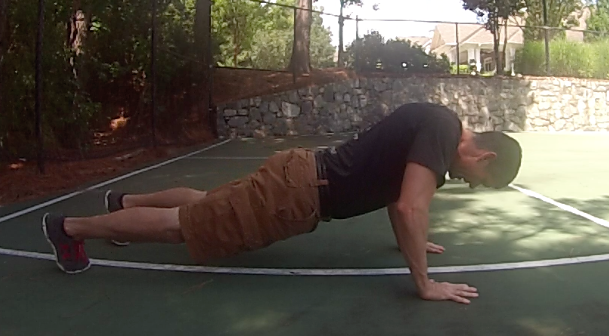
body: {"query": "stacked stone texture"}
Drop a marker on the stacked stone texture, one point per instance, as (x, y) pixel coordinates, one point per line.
(518, 104)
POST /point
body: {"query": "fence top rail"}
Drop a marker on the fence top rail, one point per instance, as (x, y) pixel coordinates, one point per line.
(361, 19)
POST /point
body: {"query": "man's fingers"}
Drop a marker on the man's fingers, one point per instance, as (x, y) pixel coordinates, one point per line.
(433, 248)
(468, 294)
(464, 287)
(460, 293)
(459, 299)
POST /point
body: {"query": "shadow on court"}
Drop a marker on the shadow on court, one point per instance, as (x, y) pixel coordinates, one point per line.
(505, 228)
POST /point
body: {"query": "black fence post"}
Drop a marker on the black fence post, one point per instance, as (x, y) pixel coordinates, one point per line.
(545, 37)
(213, 120)
(38, 86)
(153, 74)
(357, 44)
(458, 51)
(294, 80)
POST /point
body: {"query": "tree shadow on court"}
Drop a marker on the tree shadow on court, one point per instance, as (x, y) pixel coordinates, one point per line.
(597, 207)
(476, 226)
(517, 228)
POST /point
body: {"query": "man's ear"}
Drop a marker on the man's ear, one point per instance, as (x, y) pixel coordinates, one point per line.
(487, 156)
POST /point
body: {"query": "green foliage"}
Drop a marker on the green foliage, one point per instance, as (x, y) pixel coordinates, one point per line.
(61, 92)
(347, 3)
(376, 54)
(236, 22)
(111, 77)
(495, 15)
(264, 40)
(567, 58)
(559, 14)
(464, 69)
(598, 21)
(490, 12)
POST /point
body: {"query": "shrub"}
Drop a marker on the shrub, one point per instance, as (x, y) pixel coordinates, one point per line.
(376, 54)
(567, 58)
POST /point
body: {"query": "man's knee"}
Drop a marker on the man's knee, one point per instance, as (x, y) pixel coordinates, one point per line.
(193, 194)
(173, 231)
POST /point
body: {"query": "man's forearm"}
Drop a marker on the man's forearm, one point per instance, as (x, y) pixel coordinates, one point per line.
(410, 228)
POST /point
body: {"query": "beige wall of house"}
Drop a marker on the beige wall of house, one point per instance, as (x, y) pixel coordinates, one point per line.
(475, 42)
(483, 56)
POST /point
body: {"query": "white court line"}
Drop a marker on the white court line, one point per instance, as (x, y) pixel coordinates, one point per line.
(319, 271)
(116, 179)
(565, 207)
(228, 158)
(313, 272)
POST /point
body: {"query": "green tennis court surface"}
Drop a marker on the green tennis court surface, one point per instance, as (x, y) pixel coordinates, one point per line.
(537, 252)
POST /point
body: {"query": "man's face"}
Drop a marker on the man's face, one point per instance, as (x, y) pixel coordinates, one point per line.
(474, 170)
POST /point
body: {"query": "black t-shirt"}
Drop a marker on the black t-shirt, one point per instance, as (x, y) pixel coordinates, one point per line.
(366, 172)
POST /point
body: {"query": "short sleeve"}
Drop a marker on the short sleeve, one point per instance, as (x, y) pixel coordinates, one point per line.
(435, 145)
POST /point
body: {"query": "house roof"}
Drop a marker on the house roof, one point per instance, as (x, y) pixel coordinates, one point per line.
(445, 34)
(420, 40)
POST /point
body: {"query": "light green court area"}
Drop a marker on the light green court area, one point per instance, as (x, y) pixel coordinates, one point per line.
(569, 168)
(491, 228)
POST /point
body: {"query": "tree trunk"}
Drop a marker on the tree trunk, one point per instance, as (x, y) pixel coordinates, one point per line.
(77, 31)
(341, 24)
(300, 62)
(496, 38)
(203, 88)
(237, 31)
(236, 52)
(77, 28)
(3, 24)
(202, 30)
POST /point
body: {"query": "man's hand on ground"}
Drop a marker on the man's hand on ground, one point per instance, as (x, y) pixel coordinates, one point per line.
(440, 291)
(434, 248)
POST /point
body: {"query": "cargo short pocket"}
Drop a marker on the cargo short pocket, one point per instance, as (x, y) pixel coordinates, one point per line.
(296, 170)
(247, 208)
(297, 223)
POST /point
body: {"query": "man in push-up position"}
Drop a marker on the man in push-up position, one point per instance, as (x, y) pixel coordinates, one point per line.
(398, 163)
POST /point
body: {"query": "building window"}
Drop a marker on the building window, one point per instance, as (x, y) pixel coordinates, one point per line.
(488, 64)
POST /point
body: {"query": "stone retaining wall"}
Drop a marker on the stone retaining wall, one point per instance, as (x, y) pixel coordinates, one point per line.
(519, 104)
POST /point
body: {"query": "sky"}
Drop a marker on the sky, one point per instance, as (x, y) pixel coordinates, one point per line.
(425, 10)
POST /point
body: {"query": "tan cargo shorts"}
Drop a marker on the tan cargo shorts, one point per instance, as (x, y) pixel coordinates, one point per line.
(278, 201)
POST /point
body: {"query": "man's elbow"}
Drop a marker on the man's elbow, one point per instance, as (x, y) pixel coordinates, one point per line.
(411, 211)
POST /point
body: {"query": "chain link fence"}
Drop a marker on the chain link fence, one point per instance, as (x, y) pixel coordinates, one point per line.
(140, 73)
(416, 46)
(92, 79)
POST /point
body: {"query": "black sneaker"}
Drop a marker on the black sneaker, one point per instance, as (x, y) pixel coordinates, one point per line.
(70, 253)
(114, 202)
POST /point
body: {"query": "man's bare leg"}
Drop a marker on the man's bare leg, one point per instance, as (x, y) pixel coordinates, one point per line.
(169, 198)
(136, 224)
(67, 234)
